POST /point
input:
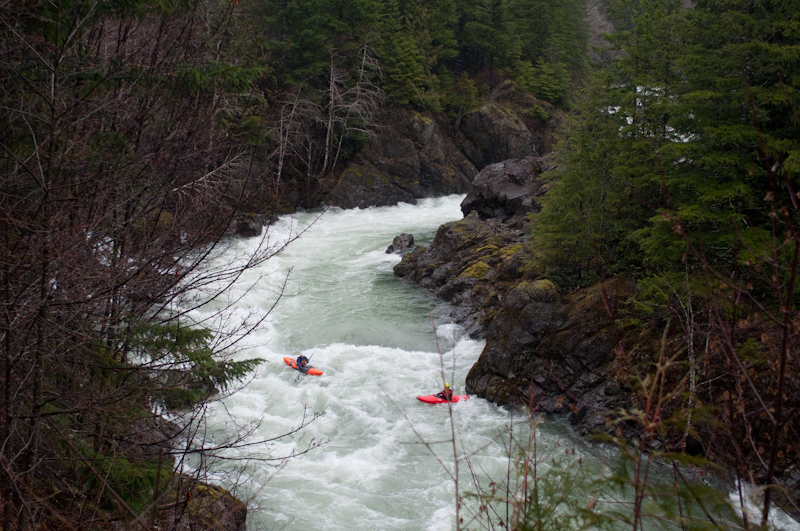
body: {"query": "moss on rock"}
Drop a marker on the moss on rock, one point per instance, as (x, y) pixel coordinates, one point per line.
(476, 270)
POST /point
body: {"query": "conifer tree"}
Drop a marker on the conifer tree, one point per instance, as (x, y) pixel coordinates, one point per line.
(401, 58)
(482, 33)
(687, 157)
(552, 42)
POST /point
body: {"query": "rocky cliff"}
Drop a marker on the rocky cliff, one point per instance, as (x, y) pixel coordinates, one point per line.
(417, 155)
(556, 353)
(552, 351)
(410, 158)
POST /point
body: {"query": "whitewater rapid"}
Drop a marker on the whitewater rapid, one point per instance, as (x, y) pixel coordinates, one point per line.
(373, 336)
(380, 341)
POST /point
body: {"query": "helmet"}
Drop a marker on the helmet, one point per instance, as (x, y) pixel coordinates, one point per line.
(447, 385)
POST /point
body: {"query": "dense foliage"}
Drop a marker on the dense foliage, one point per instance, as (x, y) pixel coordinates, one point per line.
(119, 175)
(133, 133)
(679, 168)
(329, 65)
(688, 136)
(423, 48)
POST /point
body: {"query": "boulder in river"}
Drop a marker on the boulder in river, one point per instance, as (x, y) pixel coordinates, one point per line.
(403, 242)
(190, 504)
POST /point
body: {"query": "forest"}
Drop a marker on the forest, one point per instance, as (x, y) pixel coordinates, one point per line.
(678, 168)
(136, 133)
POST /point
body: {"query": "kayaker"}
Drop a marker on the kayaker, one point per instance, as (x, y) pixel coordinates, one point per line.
(302, 361)
(446, 393)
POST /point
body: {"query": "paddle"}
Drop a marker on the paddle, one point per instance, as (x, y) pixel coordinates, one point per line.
(309, 361)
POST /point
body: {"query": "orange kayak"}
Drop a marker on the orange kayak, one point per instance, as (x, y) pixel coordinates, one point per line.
(291, 362)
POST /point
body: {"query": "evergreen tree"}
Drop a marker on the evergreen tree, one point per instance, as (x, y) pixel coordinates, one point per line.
(401, 58)
(687, 158)
(552, 43)
(583, 231)
(706, 130)
(482, 33)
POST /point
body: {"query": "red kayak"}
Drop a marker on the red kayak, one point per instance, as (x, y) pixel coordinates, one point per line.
(433, 399)
(291, 362)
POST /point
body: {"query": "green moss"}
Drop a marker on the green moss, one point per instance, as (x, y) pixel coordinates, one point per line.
(489, 317)
(424, 119)
(210, 490)
(486, 250)
(476, 270)
(510, 250)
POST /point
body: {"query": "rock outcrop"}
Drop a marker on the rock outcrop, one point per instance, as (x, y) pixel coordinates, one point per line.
(513, 125)
(494, 133)
(467, 264)
(552, 352)
(507, 191)
(410, 158)
(555, 353)
(415, 155)
(473, 261)
(543, 349)
(191, 504)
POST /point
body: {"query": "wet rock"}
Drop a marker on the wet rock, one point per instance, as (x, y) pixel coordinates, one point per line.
(554, 353)
(507, 190)
(189, 504)
(250, 225)
(411, 157)
(248, 228)
(403, 242)
(466, 265)
(494, 133)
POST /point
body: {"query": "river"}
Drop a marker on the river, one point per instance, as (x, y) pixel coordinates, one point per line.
(373, 335)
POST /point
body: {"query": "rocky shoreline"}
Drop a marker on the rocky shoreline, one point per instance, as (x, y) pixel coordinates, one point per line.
(551, 351)
(555, 353)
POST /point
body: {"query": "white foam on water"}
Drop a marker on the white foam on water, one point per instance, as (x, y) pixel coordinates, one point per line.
(753, 504)
(371, 333)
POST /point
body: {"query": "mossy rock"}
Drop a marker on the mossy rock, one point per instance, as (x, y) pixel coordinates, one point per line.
(510, 250)
(192, 504)
(476, 270)
(427, 120)
(486, 250)
(533, 291)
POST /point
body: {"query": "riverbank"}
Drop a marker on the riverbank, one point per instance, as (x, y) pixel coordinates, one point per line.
(583, 354)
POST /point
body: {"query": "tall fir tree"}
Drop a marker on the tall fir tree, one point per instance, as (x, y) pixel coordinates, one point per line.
(707, 128)
(400, 58)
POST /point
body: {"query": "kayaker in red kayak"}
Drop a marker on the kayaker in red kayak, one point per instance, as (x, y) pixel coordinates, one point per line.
(446, 393)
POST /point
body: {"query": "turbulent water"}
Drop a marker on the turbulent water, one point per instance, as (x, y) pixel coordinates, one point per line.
(372, 335)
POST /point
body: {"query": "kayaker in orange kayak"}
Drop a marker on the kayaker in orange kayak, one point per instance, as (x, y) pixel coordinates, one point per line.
(302, 361)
